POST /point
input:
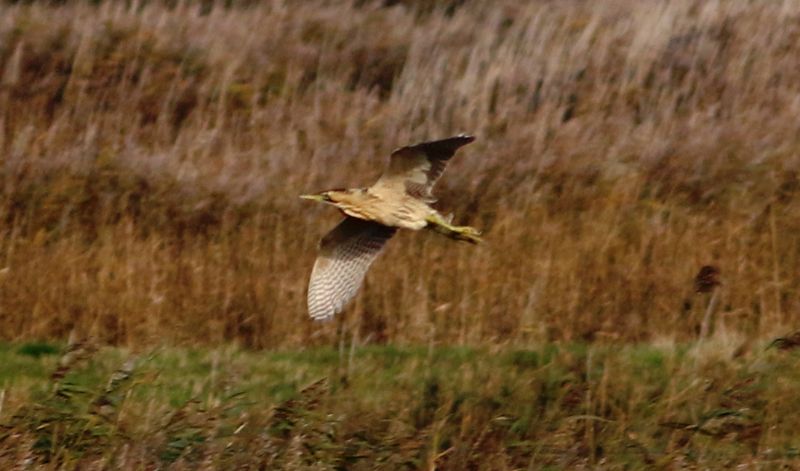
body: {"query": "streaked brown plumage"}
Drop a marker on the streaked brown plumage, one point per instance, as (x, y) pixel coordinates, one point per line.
(399, 199)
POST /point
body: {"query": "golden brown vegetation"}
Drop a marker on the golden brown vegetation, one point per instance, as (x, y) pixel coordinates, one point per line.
(152, 157)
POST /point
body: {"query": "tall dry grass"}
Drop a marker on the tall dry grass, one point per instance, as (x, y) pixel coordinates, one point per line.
(152, 157)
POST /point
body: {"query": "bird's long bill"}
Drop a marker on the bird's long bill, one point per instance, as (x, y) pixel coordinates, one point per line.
(313, 198)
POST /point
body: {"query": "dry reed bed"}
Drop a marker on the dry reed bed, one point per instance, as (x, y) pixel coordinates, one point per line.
(151, 159)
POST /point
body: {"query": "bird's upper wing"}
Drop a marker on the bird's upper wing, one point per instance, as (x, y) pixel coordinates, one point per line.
(415, 169)
(345, 255)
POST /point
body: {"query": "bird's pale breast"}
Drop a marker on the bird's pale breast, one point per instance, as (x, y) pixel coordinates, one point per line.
(404, 212)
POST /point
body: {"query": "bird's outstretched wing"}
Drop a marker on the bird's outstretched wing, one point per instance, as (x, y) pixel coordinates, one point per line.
(415, 169)
(345, 255)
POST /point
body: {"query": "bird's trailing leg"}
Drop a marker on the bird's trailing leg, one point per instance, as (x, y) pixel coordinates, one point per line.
(441, 225)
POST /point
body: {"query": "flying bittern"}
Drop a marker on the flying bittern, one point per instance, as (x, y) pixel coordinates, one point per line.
(399, 199)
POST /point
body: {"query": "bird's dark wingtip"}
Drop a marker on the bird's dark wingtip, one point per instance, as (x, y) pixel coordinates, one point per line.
(447, 145)
(457, 141)
(465, 137)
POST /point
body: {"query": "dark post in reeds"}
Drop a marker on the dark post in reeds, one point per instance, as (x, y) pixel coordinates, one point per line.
(706, 283)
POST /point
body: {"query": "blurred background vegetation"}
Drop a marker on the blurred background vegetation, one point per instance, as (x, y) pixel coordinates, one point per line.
(152, 154)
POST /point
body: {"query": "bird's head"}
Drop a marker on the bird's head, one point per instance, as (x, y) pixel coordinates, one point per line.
(330, 196)
(320, 197)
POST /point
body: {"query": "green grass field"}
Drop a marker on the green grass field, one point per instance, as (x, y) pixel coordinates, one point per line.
(554, 407)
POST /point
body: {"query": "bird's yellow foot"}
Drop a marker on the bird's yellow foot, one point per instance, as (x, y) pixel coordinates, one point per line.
(443, 226)
(469, 234)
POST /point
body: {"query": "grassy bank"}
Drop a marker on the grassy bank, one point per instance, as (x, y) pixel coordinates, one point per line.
(561, 406)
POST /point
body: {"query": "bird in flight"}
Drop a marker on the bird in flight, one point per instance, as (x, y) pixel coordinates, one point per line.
(400, 199)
